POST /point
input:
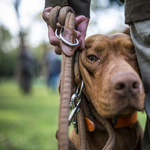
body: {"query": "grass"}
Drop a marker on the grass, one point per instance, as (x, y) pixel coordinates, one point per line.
(29, 122)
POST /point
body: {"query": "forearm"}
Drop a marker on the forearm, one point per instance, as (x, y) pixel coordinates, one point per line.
(51, 3)
(81, 7)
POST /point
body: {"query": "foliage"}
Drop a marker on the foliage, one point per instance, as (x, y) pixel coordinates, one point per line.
(7, 63)
(5, 38)
(7, 55)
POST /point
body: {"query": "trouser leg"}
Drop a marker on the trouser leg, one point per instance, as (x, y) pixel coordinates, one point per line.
(140, 34)
(146, 139)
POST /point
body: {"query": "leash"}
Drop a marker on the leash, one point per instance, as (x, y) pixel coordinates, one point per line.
(68, 41)
(71, 145)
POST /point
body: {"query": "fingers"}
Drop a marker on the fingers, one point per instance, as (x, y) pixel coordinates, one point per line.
(51, 35)
(52, 38)
(54, 41)
(46, 13)
(57, 50)
(79, 19)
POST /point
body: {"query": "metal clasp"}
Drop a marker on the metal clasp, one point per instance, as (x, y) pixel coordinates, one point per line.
(60, 37)
(75, 103)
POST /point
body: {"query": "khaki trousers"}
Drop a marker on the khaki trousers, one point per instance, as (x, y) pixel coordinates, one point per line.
(140, 34)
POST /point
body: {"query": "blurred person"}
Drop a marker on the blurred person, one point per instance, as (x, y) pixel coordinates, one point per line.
(26, 66)
(137, 16)
(53, 68)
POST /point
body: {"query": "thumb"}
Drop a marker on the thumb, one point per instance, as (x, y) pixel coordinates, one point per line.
(80, 19)
(81, 26)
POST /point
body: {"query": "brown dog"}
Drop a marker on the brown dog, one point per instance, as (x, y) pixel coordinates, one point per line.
(109, 69)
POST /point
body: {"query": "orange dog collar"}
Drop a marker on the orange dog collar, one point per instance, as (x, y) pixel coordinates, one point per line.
(126, 121)
(90, 125)
(122, 122)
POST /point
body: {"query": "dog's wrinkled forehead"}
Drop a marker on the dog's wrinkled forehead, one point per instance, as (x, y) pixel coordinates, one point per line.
(112, 42)
(98, 42)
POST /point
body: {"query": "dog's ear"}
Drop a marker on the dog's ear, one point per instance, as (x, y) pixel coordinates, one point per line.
(77, 73)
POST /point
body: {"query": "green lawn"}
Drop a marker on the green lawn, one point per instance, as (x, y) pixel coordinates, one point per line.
(29, 122)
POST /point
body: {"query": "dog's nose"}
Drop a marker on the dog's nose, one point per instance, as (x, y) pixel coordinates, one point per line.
(125, 84)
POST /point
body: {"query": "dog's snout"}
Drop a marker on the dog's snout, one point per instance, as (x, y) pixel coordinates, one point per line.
(126, 84)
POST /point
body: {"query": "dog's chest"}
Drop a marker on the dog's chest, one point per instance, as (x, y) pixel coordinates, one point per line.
(127, 138)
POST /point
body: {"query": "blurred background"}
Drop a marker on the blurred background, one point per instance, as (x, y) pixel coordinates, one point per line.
(29, 71)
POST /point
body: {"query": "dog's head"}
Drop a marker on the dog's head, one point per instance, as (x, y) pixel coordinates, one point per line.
(109, 69)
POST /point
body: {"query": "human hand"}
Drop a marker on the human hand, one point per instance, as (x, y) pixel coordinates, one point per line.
(81, 27)
(51, 35)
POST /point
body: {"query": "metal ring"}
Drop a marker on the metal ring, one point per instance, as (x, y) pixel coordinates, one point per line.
(57, 34)
(79, 92)
(68, 43)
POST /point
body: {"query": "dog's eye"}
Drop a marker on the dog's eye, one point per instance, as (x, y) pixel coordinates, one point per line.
(92, 58)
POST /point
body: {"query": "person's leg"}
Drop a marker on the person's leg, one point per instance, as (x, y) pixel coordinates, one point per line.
(140, 34)
(146, 139)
